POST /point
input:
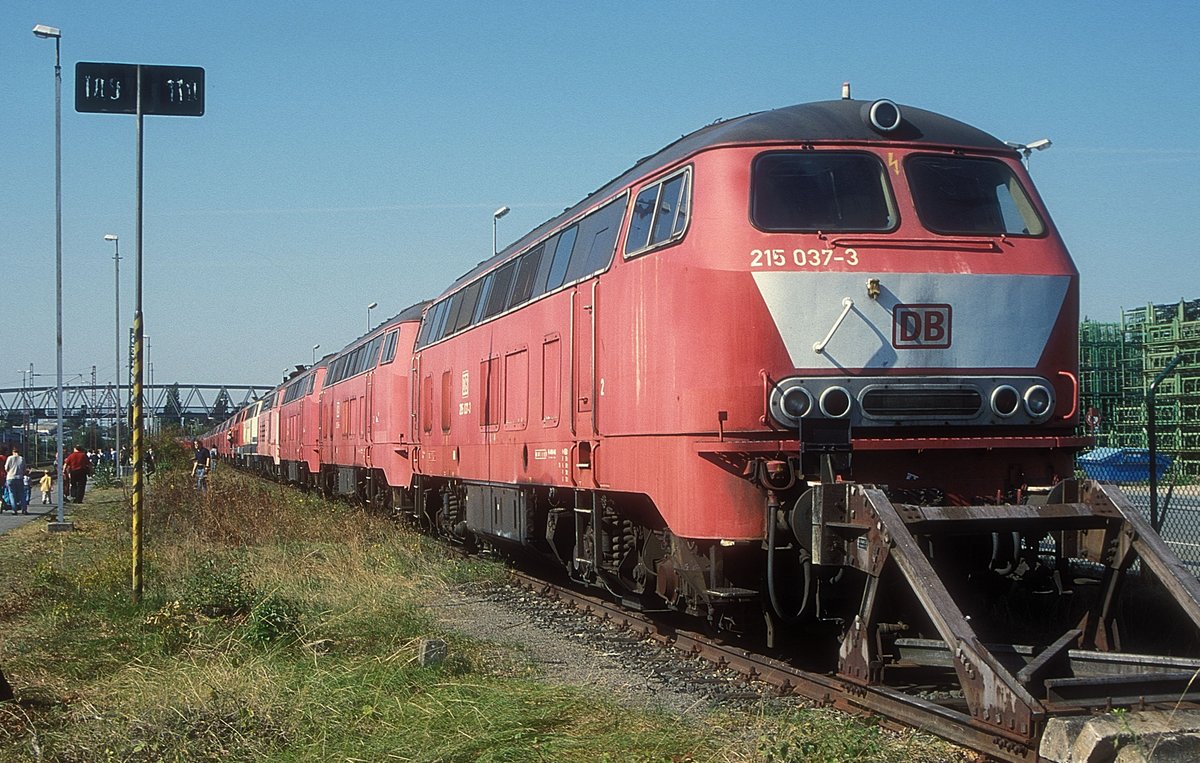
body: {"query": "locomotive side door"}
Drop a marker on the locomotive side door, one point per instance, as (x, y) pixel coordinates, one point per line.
(583, 360)
(584, 390)
(276, 415)
(415, 401)
(326, 417)
(369, 416)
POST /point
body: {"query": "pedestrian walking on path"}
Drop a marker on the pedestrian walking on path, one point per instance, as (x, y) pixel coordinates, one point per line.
(14, 468)
(77, 467)
(200, 467)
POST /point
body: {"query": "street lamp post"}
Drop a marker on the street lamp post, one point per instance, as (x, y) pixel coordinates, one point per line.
(370, 307)
(501, 212)
(26, 381)
(49, 32)
(117, 389)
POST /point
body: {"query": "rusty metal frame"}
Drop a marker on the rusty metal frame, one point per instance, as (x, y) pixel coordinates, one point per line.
(993, 694)
(859, 526)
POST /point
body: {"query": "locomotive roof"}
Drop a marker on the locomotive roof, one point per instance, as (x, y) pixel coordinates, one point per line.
(841, 121)
(411, 313)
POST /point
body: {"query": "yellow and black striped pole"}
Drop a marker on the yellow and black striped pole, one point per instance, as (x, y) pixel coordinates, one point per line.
(139, 460)
(138, 453)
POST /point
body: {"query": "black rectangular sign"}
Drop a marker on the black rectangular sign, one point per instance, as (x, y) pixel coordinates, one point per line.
(174, 91)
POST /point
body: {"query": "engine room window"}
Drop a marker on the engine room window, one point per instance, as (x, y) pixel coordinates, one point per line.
(434, 322)
(526, 272)
(562, 256)
(389, 348)
(981, 197)
(501, 286)
(596, 240)
(465, 301)
(335, 371)
(821, 190)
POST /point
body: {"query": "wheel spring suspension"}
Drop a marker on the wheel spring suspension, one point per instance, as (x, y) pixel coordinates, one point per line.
(454, 513)
(617, 536)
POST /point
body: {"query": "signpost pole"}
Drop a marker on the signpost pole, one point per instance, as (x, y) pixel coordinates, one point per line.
(107, 88)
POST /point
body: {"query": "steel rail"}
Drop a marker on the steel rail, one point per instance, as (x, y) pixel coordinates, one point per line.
(892, 705)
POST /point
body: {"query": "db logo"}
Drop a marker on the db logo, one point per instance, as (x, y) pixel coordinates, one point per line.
(925, 327)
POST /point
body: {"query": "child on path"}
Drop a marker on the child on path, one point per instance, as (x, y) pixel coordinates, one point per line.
(46, 484)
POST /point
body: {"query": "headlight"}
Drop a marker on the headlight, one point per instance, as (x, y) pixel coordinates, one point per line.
(1039, 401)
(835, 402)
(790, 403)
(1005, 401)
(796, 403)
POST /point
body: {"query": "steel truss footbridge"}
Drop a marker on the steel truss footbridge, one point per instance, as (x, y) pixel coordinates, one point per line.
(179, 401)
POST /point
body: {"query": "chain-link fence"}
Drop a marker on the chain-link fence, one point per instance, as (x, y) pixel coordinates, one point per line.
(1176, 513)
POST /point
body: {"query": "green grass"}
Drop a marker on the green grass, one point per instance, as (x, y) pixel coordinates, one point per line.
(278, 627)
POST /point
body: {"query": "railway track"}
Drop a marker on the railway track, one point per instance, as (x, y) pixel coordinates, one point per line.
(998, 699)
(944, 716)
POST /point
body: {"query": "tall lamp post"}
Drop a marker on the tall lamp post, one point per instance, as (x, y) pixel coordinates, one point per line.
(117, 299)
(370, 307)
(26, 382)
(48, 33)
(501, 212)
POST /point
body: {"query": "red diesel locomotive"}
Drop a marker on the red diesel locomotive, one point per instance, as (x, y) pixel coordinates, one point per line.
(647, 386)
(810, 374)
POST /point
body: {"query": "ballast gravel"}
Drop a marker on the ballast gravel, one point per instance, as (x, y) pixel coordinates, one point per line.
(571, 647)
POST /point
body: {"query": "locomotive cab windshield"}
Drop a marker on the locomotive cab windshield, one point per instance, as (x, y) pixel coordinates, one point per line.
(970, 196)
(826, 190)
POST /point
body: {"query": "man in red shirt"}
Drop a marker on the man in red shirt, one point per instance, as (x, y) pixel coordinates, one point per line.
(77, 467)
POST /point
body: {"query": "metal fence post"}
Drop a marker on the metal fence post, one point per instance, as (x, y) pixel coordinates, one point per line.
(1152, 440)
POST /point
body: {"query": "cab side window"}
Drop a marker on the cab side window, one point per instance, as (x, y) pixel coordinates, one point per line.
(660, 213)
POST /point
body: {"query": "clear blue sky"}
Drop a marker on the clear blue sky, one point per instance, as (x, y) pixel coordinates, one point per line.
(354, 152)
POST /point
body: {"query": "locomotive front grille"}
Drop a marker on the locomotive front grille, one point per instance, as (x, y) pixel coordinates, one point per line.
(907, 402)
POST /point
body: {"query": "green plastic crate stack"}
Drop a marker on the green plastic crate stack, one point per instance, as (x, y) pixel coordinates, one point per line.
(1153, 336)
(1102, 373)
